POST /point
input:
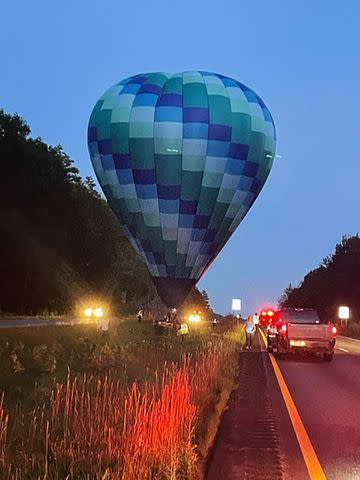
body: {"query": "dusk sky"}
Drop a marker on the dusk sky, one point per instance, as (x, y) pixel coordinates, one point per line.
(302, 58)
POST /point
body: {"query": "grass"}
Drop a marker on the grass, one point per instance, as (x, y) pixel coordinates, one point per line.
(353, 330)
(138, 406)
(4, 418)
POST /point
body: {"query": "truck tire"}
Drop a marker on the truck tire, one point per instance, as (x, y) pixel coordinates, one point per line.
(328, 356)
(280, 355)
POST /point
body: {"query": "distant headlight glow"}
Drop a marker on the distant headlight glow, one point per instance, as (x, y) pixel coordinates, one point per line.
(98, 312)
(194, 317)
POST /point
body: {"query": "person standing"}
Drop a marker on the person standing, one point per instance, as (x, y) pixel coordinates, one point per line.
(256, 320)
(176, 323)
(249, 331)
(140, 315)
(104, 328)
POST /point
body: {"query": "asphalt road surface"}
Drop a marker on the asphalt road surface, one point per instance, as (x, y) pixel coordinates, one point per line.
(327, 396)
(257, 440)
(36, 321)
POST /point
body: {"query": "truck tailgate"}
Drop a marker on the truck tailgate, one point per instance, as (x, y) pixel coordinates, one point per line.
(309, 331)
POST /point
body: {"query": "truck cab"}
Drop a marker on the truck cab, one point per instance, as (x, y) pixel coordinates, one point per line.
(299, 330)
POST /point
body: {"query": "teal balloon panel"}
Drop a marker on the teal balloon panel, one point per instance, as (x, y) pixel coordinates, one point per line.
(181, 158)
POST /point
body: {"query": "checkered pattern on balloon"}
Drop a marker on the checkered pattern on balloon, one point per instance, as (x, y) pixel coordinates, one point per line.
(181, 158)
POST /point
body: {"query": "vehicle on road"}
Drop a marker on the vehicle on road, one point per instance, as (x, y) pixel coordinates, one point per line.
(266, 317)
(299, 330)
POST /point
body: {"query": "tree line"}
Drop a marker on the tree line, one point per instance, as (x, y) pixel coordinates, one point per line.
(335, 282)
(59, 240)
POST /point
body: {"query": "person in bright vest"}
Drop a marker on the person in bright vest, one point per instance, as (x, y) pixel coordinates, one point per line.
(183, 331)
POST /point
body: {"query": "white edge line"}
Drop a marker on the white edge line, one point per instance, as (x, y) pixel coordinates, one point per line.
(348, 338)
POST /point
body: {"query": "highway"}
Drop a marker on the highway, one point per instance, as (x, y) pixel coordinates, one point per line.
(18, 322)
(327, 396)
(292, 419)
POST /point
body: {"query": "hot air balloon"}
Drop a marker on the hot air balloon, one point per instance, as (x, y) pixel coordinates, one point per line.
(181, 158)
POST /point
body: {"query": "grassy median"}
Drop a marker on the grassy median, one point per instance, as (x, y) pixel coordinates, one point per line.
(135, 405)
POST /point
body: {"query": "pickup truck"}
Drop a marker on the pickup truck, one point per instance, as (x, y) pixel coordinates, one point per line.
(299, 330)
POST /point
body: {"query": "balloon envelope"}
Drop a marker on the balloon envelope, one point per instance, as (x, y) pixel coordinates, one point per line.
(181, 158)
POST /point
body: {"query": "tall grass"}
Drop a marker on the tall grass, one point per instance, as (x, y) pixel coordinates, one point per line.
(95, 428)
(136, 408)
(4, 418)
(352, 330)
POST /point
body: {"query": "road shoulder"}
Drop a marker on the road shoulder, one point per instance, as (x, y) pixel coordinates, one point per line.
(255, 438)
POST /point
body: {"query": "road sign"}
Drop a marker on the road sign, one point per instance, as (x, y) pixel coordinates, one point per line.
(344, 312)
(236, 305)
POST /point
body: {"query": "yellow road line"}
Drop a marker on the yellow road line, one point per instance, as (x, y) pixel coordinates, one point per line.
(313, 465)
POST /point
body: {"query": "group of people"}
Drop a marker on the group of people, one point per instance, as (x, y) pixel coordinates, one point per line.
(251, 325)
(171, 317)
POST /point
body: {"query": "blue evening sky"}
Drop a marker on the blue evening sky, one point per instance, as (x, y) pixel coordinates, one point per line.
(302, 58)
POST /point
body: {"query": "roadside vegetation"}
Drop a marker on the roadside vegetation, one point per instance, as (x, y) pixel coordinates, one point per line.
(75, 404)
(352, 330)
(335, 282)
(134, 405)
(58, 238)
(60, 242)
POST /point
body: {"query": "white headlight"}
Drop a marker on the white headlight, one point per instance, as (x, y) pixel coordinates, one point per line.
(98, 312)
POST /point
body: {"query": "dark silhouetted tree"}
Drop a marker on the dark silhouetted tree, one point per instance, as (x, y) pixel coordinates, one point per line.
(58, 237)
(336, 281)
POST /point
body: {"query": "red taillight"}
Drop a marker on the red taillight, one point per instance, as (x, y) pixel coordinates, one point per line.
(334, 330)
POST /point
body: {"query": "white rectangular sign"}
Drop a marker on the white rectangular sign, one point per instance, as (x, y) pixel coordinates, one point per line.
(236, 304)
(344, 312)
